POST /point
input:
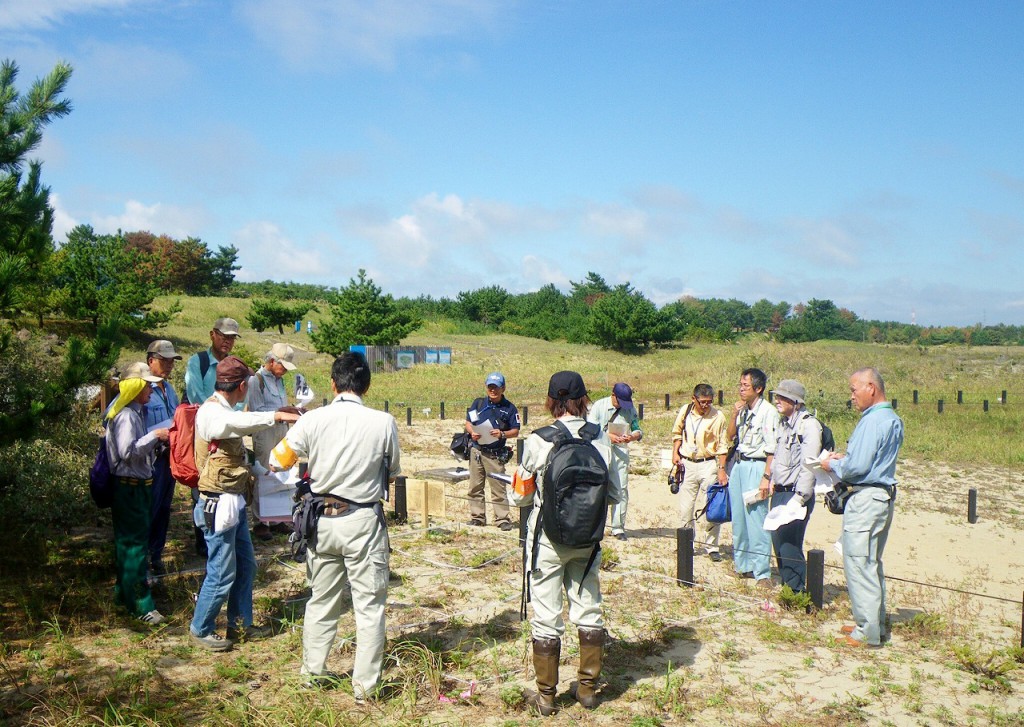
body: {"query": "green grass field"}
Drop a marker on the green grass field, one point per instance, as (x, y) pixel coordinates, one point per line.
(962, 433)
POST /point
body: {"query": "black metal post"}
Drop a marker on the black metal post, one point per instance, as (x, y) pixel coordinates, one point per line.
(816, 576)
(972, 505)
(684, 557)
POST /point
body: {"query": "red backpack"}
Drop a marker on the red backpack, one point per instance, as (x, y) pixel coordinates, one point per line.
(183, 445)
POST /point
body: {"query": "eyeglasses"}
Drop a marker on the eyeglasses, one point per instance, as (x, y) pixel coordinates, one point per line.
(702, 402)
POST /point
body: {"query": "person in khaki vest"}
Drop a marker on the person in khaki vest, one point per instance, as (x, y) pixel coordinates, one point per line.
(225, 483)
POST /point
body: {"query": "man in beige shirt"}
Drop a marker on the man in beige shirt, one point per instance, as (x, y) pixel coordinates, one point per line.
(700, 447)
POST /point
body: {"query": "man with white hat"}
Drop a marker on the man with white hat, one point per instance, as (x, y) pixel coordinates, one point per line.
(160, 357)
(267, 393)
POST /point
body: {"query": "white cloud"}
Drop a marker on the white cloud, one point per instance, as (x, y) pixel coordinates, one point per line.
(265, 252)
(372, 32)
(42, 14)
(824, 241)
(614, 220)
(63, 222)
(541, 271)
(158, 218)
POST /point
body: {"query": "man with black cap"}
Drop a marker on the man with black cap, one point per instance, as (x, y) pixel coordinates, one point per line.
(160, 356)
(225, 482)
(556, 567)
(489, 457)
(619, 423)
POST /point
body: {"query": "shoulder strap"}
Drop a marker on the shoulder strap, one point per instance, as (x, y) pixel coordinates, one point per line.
(553, 432)
(204, 363)
(689, 408)
(588, 432)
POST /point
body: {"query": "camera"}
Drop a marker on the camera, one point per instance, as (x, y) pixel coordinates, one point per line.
(675, 478)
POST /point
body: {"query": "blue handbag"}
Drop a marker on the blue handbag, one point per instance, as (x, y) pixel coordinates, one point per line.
(718, 509)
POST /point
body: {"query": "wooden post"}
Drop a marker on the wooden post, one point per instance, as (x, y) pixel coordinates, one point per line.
(816, 576)
(984, 405)
(640, 412)
(526, 415)
(442, 411)
(325, 401)
(959, 396)
(1022, 624)
(720, 394)
(684, 557)
(519, 449)
(849, 404)
(915, 396)
(401, 505)
(972, 505)
(408, 416)
(425, 506)
(894, 403)
(1003, 400)
(940, 405)
(771, 397)
(668, 404)
(387, 406)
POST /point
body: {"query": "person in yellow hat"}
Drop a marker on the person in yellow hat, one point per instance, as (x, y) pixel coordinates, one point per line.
(132, 452)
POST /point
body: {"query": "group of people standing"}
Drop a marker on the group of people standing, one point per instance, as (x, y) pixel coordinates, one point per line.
(759, 452)
(352, 454)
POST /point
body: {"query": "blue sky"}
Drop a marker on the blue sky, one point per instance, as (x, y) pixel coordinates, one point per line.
(867, 152)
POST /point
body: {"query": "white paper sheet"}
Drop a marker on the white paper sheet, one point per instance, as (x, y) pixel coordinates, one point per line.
(484, 430)
(793, 510)
(165, 424)
(823, 479)
(276, 490)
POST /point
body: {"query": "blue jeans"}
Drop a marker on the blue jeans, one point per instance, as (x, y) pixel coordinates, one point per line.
(230, 571)
(752, 545)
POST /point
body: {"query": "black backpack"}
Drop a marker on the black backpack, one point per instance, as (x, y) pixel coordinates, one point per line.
(828, 441)
(574, 504)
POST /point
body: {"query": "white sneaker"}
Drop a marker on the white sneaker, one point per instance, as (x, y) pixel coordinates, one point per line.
(153, 618)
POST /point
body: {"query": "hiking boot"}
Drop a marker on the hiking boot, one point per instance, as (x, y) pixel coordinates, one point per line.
(211, 642)
(250, 633)
(476, 523)
(153, 618)
(506, 525)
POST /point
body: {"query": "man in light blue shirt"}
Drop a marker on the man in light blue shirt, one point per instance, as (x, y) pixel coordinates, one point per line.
(201, 371)
(869, 468)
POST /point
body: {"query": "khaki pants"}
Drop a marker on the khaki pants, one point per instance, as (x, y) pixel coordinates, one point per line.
(479, 467)
(560, 568)
(353, 548)
(693, 496)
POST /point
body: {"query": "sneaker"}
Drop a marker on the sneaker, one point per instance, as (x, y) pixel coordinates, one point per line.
(327, 680)
(621, 536)
(211, 642)
(506, 525)
(250, 633)
(715, 556)
(153, 618)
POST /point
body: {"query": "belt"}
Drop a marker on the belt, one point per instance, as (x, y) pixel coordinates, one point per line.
(888, 488)
(336, 507)
(695, 461)
(745, 458)
(133, 481)
(785, 488)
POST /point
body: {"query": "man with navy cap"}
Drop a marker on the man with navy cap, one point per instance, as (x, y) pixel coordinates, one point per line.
(617, 411)
(489, 457)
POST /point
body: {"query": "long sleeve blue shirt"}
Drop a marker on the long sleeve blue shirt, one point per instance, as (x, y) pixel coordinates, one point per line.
(873, 447)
